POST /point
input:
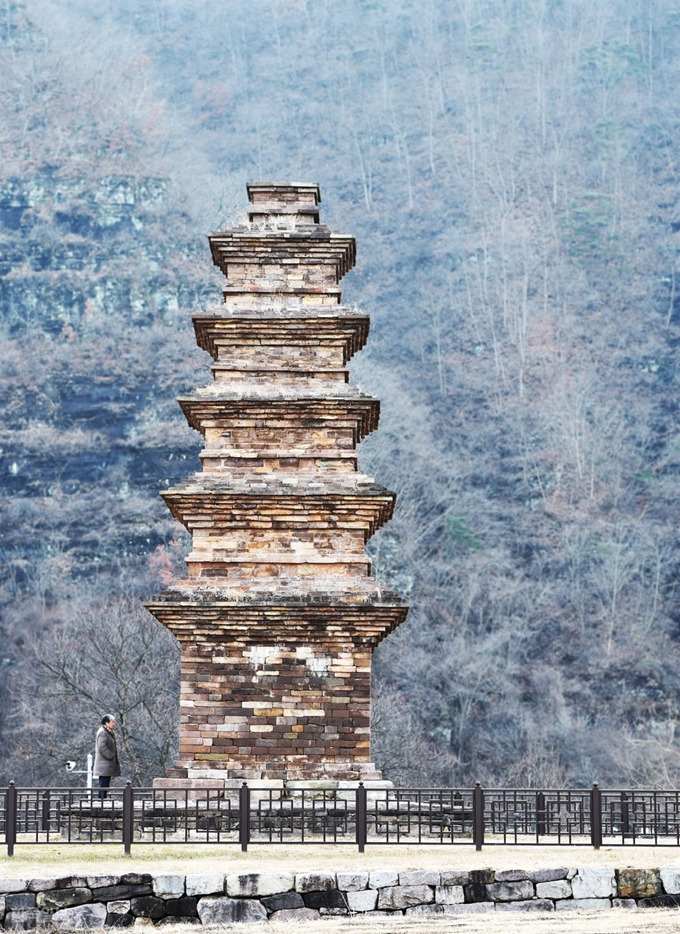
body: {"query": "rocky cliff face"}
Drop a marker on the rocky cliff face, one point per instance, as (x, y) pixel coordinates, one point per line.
(92, 274)
(67, 246)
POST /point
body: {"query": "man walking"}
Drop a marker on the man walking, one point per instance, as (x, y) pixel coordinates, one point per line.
(106, 764)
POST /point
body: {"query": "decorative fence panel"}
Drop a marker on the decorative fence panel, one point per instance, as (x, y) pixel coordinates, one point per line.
(251, 815)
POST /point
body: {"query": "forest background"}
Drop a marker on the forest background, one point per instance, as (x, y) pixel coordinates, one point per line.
(510, 170)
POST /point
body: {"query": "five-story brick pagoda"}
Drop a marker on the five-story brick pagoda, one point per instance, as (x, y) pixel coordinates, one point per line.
(279, 615)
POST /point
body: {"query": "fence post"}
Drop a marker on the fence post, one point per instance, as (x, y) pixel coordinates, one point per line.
(45, 817)
(361, 822)
(596, 816)
(540, 814)
(478, 816)
(11, 818)
(244, 816)
(128, 817)
(625, 815)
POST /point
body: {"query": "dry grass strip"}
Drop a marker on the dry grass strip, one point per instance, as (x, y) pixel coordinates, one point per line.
(613, 921)
(31, 861)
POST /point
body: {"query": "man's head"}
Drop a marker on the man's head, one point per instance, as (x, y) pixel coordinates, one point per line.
(108, 722)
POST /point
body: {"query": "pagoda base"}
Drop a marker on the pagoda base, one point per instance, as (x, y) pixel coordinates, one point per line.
(264, 789)
(284, 772)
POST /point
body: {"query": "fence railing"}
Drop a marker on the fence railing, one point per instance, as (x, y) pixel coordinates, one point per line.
(361, 816)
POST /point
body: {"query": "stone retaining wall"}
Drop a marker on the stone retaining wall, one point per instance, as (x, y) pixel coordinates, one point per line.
(142, 899)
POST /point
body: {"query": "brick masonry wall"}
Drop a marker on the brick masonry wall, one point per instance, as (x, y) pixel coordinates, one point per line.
(119, 900)
(293, 707)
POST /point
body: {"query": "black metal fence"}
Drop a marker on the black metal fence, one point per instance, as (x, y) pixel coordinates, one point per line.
(253, 815)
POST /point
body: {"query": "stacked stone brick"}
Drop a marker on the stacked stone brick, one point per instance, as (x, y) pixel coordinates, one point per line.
(279, 615)
(87, 901)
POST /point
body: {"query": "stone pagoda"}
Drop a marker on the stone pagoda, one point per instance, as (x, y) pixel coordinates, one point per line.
(278, 616)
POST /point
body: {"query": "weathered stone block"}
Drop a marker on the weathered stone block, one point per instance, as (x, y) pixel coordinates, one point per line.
(584, 904)
(419, 877)
(660, 901)
(79, 882)
(42, 885)
(63, 898)
(26, 920)
(333, 898)
(123, 920)
(510, 875)
(364, 900)
(184, 907)
(624, 903)
(455, 877)
(352, 881)
(148, 906)
(121, 907)
(199, 789)
(561, 888)
(131, 878)
(168, 886)
(257, 884)
(382, 878)
(534, 904)
(376, 789)
(405, 896)
(80, 916)
(204, 884)
(314, 881)
(21, 901)
(230, 910)
(475, 892)
(96, 882)
(13, 885)
(547, 875)
(509, 891)
(425, 910)
(593, 883)
(284, 902)
(670, 877)
(449, 895)
(111, 893)
(638, 883)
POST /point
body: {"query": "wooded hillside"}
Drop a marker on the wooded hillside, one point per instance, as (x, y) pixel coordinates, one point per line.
(510, 171)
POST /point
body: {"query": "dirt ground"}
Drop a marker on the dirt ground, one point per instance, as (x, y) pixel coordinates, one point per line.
(60, 859)
(614, 921)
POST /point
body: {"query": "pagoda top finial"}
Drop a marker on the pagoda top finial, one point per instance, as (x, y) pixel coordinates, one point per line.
(284, 198)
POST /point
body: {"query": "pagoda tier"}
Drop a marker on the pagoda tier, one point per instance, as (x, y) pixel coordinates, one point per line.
(313, 333)
(279, 615)
(278, 688)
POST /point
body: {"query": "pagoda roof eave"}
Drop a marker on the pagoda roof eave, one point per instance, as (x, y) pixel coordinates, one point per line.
(273, 485)
(314, 244)
(358, 412)
(315, 325)
(204, 617)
